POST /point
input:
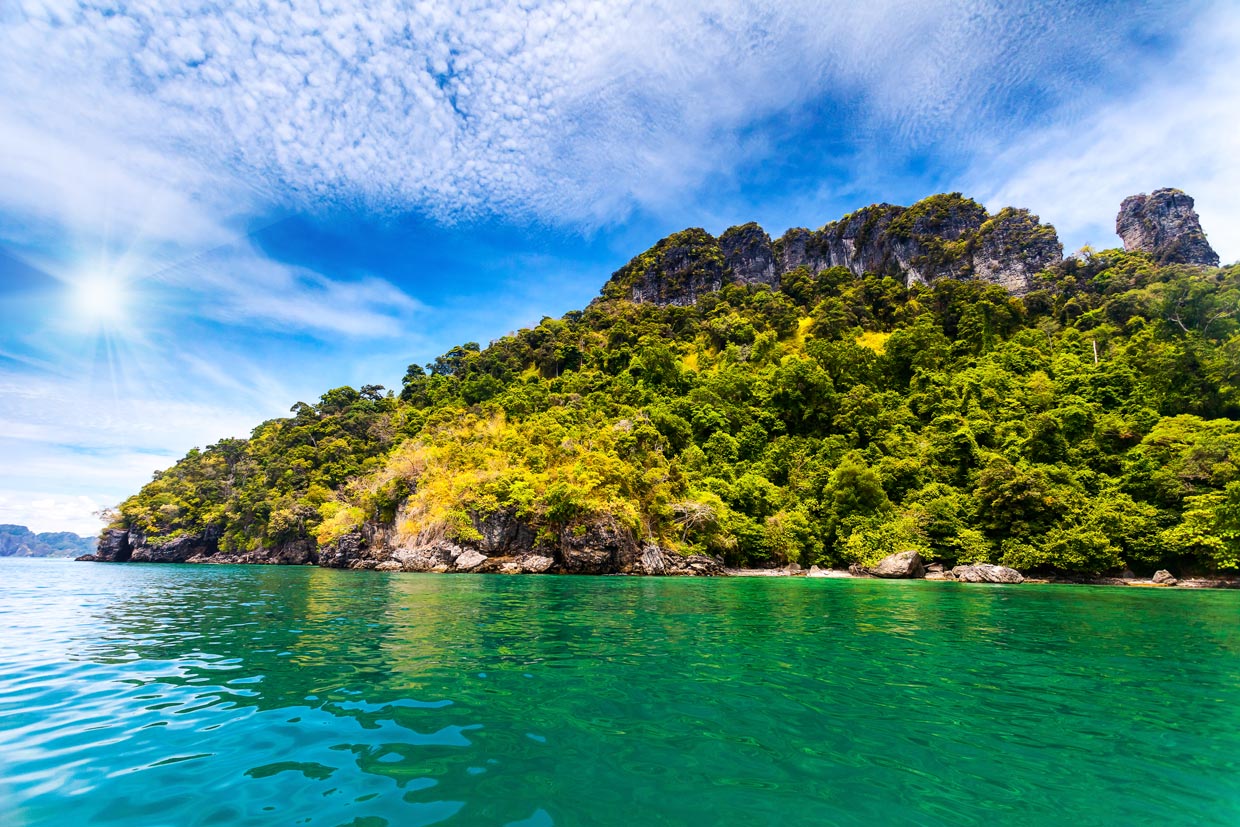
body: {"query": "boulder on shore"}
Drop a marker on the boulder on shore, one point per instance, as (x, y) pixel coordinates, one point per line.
(987, 573)
(901, 565)
(536, 563)
(1162, 577)
(469, 559)
(694, 565)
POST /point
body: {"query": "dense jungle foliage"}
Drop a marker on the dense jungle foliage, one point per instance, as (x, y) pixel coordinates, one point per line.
(1088, 426)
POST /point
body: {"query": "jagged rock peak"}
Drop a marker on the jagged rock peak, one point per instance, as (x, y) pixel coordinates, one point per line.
(677, 270)
(943, 236)
(1165, 225)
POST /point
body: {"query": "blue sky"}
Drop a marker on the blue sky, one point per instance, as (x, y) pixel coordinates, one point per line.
(209, 211)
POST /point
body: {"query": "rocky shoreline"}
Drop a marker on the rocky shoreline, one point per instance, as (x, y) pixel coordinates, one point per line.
(1151, 582)
(507, 547)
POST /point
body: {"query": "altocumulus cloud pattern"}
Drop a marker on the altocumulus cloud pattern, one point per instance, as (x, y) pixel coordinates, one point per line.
(565, 110)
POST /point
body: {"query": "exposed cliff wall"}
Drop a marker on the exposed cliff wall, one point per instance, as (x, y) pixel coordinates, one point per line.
(944, 236)
(677, 270)
(1165, 225)
(505, 546)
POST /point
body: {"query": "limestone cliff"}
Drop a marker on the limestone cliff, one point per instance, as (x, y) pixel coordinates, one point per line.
(944, 236)
(1165, 225)
(677, 270)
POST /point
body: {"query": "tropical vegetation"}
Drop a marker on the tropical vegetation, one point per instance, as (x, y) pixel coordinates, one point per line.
(1087, 426)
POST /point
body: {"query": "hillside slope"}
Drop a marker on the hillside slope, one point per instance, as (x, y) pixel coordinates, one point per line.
(932, 378)
(19, 541)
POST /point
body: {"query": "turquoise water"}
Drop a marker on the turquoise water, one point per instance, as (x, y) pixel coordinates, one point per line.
(182, 695)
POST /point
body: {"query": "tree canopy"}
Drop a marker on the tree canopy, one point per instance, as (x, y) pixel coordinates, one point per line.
(1085, 427)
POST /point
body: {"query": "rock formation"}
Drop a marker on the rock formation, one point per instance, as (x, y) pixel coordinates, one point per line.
(678, 270)
(941, 237)
(747, 255)
(114, 546)
(987, 573)
(944, 236)
(506, 546)
(902, 564)
(1162, 577)
(1165, 225)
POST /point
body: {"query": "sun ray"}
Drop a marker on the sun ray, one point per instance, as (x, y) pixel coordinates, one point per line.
(101, 298)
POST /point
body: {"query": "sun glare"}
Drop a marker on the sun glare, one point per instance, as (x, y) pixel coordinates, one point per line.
(100, 298)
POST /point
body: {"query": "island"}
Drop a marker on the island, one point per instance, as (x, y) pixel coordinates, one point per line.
(933, 382)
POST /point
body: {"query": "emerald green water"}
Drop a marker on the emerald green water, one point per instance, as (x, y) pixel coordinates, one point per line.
(182, 695)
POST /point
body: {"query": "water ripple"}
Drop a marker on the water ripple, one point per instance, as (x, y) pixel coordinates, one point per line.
(250, 695)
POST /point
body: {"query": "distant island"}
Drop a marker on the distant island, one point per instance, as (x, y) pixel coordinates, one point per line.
(19, 541)
(932, 381)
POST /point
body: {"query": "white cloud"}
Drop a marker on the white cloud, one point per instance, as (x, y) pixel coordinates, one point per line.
(70, 448)
(1180, 128)
(160, 131)
(573, 110)
(43, 511)
(236, 284)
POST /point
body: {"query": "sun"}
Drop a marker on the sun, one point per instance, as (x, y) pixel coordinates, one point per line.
(101, 298)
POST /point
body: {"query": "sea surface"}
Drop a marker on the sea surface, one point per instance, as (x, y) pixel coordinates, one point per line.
(232, 695)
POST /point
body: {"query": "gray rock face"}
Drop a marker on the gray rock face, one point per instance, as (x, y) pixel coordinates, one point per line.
(179, 550)
(693, 565)
(987, 573)
(1162, 577)
(291, 553)
(536, 563)
(120, 545)
(1165, 225)
(602, 548)
(345, 551)
(114, 546)
(507, 546)
(502, 533)
(678, 270)
(747, 255)
(1012, 248)
(902, 564)
(469, 560)
(648, 560)
(522, 564)
(437, 557)
(944, 236)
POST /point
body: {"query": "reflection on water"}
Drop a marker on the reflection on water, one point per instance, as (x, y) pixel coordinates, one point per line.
(254, 695)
